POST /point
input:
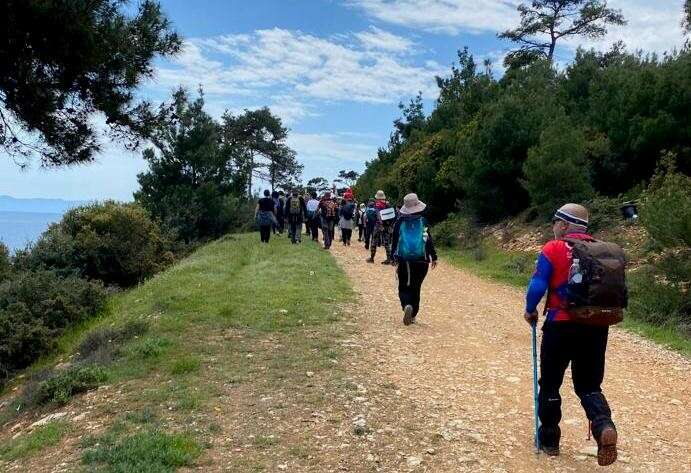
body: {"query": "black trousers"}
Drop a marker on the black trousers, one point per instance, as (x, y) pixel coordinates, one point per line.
(294, 230)
(328, 231)
(368, 235)
(346, 235)
(410, 277)
(264, 233)
(314, 228)
(584, 347)
(360, 231)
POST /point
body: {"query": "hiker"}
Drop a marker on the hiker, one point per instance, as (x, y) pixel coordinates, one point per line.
(370, 219)
(307, 198)
(360, 219)
(413, 254)
(295, 212)
(347, 220)
(313, 216)
(383, 227)
(328, 214)
(278, 211)
(578, 312)
(265, 216)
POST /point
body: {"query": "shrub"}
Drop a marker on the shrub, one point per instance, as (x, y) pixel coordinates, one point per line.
(60, 387)
(35, 306)
(112, 242)
(666, 209)
(605, 212)
(658, 301)
(102, 344)
(456, 231)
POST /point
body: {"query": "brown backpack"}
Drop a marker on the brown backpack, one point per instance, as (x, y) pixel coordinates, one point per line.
(597, 295)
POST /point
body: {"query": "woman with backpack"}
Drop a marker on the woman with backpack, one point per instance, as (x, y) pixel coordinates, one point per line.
(265, 216)
(295, 211)
(360, 219)
(328, 213)
(346, 221)
(413, 253)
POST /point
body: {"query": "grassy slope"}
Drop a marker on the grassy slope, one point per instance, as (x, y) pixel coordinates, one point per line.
(516, 268)
(210, 316)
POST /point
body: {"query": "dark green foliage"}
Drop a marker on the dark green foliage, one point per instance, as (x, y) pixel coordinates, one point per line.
(605, 212)
(604, 121)
(66, 62)
(5, 265)
(152, 451)
(115, 243)
(556, 170)
(35, 307)
(61, 386)
(666, 209)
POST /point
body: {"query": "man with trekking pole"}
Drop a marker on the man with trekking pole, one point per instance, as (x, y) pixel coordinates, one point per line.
(586, 292)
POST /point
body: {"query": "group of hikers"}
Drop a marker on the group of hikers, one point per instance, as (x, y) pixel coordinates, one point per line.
(584, 280)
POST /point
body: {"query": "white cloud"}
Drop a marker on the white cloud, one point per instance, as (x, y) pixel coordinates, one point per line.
(324, 154)
(302, 66)
(379, 39)
(443, 16)
(652, 26)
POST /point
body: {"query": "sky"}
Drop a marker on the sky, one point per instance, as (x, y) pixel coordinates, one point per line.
(333, 70)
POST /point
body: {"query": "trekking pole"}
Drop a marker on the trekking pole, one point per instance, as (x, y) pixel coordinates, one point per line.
(537, 420)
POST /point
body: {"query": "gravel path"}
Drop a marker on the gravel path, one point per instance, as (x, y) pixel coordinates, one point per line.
(463, 381)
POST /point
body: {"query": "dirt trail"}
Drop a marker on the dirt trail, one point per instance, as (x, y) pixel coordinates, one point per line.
(464, 373)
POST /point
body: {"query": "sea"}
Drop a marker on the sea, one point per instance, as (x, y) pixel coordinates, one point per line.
(18, 229)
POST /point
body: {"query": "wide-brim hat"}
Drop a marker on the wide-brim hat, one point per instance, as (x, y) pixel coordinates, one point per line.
(380, 195)
(411, 204)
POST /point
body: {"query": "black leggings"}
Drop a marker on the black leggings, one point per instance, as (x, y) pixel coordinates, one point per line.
(265, 233)
(346, 234)
(410, 277)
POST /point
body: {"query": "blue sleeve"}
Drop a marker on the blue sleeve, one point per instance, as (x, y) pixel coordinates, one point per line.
(539, 283)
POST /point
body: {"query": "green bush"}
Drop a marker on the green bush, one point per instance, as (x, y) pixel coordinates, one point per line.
(116, 243)
(35, 307)
(657, 300)
(60, 387)
(666, 209)
(456, 231)
(605, 212)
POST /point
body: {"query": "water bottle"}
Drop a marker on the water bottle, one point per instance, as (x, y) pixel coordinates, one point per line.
(575, 276)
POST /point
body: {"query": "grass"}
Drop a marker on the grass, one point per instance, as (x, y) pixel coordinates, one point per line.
(234, 313)
(516, 268)
(32, 443)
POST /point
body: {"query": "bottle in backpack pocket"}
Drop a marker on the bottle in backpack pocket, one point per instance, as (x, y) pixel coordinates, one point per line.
(575, 275)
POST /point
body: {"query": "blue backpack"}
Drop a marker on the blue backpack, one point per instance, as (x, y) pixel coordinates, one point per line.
(411, 240)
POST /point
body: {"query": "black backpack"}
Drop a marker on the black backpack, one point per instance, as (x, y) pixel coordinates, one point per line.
(596, 292)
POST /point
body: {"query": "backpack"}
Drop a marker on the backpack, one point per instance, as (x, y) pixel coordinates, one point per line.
(411, 240)
(295, 207)
(329, 209)
(348, 212)
(596, 291)
(371, 214)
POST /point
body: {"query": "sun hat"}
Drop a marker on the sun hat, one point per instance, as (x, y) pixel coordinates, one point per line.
(573, 214)
(380, 195)
(411, 204)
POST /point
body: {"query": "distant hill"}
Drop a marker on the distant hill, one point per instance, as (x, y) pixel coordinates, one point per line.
(12, 204)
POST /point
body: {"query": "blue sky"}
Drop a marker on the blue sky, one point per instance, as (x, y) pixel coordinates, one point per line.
(333, 70)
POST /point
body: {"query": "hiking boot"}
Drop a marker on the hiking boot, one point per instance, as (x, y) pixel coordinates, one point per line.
(408, 315)
(370, 260)
(550, 450)
(607, 446)
(386, 261)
